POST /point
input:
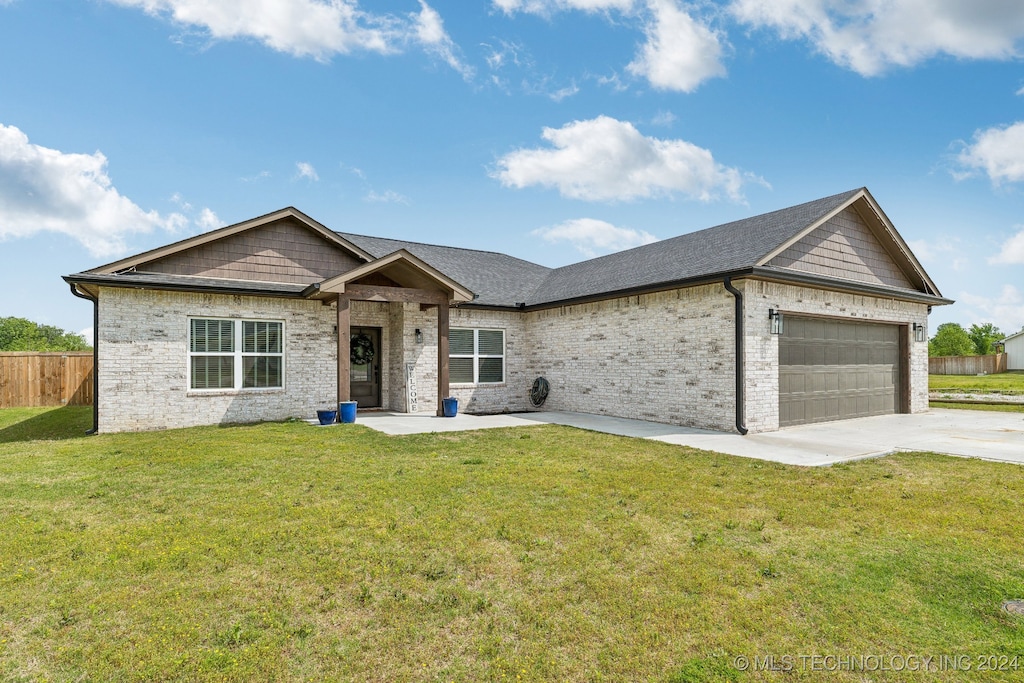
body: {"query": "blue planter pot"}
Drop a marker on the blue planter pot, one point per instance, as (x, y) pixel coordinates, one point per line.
(450, 406)
(327, 417)
(347, 410)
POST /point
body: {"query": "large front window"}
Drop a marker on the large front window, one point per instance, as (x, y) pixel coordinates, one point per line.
(476, 356)
(235, 354)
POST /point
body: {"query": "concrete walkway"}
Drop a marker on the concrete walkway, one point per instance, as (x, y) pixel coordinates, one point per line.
(969, 433)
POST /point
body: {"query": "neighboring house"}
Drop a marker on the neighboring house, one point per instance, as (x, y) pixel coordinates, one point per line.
(1013, 346)
(244, 324)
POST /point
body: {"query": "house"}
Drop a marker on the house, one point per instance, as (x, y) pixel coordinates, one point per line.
(812, 313)
(1013, 347)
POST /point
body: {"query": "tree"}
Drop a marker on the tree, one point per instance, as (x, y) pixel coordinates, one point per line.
(984, 337)
(19, 334)
(950, 340)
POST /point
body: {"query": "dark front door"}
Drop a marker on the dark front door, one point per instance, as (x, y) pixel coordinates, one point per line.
(365, 369)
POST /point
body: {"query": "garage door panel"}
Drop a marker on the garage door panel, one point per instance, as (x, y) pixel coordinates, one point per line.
(836, 369)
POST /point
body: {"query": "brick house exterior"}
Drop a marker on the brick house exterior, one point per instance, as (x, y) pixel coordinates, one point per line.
(677, 332)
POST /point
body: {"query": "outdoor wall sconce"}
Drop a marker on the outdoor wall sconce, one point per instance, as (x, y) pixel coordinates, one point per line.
(775, 316)
(919, 332)
(419, 336)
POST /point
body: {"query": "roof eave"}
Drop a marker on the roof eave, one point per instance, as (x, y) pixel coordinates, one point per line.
(92, 280)
(795, 277)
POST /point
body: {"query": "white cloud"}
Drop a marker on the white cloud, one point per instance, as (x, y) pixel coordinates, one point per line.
(1012, 251)
(208, 220)
(319, 29)
(562, 93)
(942, 250)
(869, 36)
(306, 171)
(592, 237)
(680, 53)
(87, 332)
(1020, 92)
(548, 7)
(44, 189)
(386, 197)
(999, 152)
(663, 118)
(1005, 311)
(435, 40)
(607, 159)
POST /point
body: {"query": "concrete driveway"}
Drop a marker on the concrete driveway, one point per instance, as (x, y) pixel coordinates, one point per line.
(969, 433)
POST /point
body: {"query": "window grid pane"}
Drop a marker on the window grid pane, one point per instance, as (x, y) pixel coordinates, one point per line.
(492, 370)
(460, 342)
(213, 372)
(491, 342)
(261, 372)
(212, 336)
(460, 370)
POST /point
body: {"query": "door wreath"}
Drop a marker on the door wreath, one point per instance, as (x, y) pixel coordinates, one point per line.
(361, 350)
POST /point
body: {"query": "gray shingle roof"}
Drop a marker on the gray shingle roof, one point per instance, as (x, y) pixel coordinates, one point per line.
(496, 279)
(722, 249)
(501, 280)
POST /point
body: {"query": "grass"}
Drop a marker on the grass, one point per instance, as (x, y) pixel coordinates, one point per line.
(1011, 382)
(287, 552)
(991, 407)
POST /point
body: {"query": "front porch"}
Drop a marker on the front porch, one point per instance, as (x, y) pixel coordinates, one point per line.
(408, 301)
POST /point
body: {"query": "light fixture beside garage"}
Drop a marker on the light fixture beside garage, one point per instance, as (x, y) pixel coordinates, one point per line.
(919, 333)
(419, 335)
(775, 316)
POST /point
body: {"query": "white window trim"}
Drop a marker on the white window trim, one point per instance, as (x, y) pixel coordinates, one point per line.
(476, 356)
(237, 354)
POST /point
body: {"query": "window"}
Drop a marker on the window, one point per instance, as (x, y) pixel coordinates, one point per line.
(476, 356)
(235, 354)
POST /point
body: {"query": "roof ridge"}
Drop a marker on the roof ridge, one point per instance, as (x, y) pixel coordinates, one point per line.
(440, 246)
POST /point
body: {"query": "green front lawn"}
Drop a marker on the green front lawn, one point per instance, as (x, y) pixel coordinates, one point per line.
(1003, 383)
(290, 552)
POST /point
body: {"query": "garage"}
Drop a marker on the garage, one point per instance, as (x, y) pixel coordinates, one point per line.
(833, 369)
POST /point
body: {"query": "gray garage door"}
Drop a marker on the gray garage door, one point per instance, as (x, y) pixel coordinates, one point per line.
(836, 369)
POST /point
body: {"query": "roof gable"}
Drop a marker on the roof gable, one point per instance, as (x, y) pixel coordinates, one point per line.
(844, 247)
(857, 220)
(403, 268)
(281, 251)
(288, 214)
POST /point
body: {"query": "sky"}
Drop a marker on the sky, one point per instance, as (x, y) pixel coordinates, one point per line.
(552, 130)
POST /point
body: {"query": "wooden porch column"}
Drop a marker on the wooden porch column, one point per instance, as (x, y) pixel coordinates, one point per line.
(442, 355)
(344, 365)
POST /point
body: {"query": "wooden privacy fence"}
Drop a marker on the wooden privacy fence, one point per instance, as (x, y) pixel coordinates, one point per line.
(967, 365)
(45, 379)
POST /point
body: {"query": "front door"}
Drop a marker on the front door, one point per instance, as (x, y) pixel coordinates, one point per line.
(365, 368)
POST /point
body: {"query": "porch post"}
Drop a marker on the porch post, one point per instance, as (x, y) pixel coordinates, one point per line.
(343, 348)
(442, 355)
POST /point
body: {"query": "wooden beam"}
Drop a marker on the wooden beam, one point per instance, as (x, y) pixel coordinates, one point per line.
(344, 369)
(402, 294)
(442, 356)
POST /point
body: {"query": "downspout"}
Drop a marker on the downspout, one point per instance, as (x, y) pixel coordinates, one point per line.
(95, 357)
(740, 359)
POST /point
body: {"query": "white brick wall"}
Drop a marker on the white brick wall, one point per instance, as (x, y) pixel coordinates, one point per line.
(143, 355)
(665, 357)
(762, 348)
(513, 395)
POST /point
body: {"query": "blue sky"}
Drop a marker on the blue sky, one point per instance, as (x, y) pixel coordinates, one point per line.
(548, 129)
